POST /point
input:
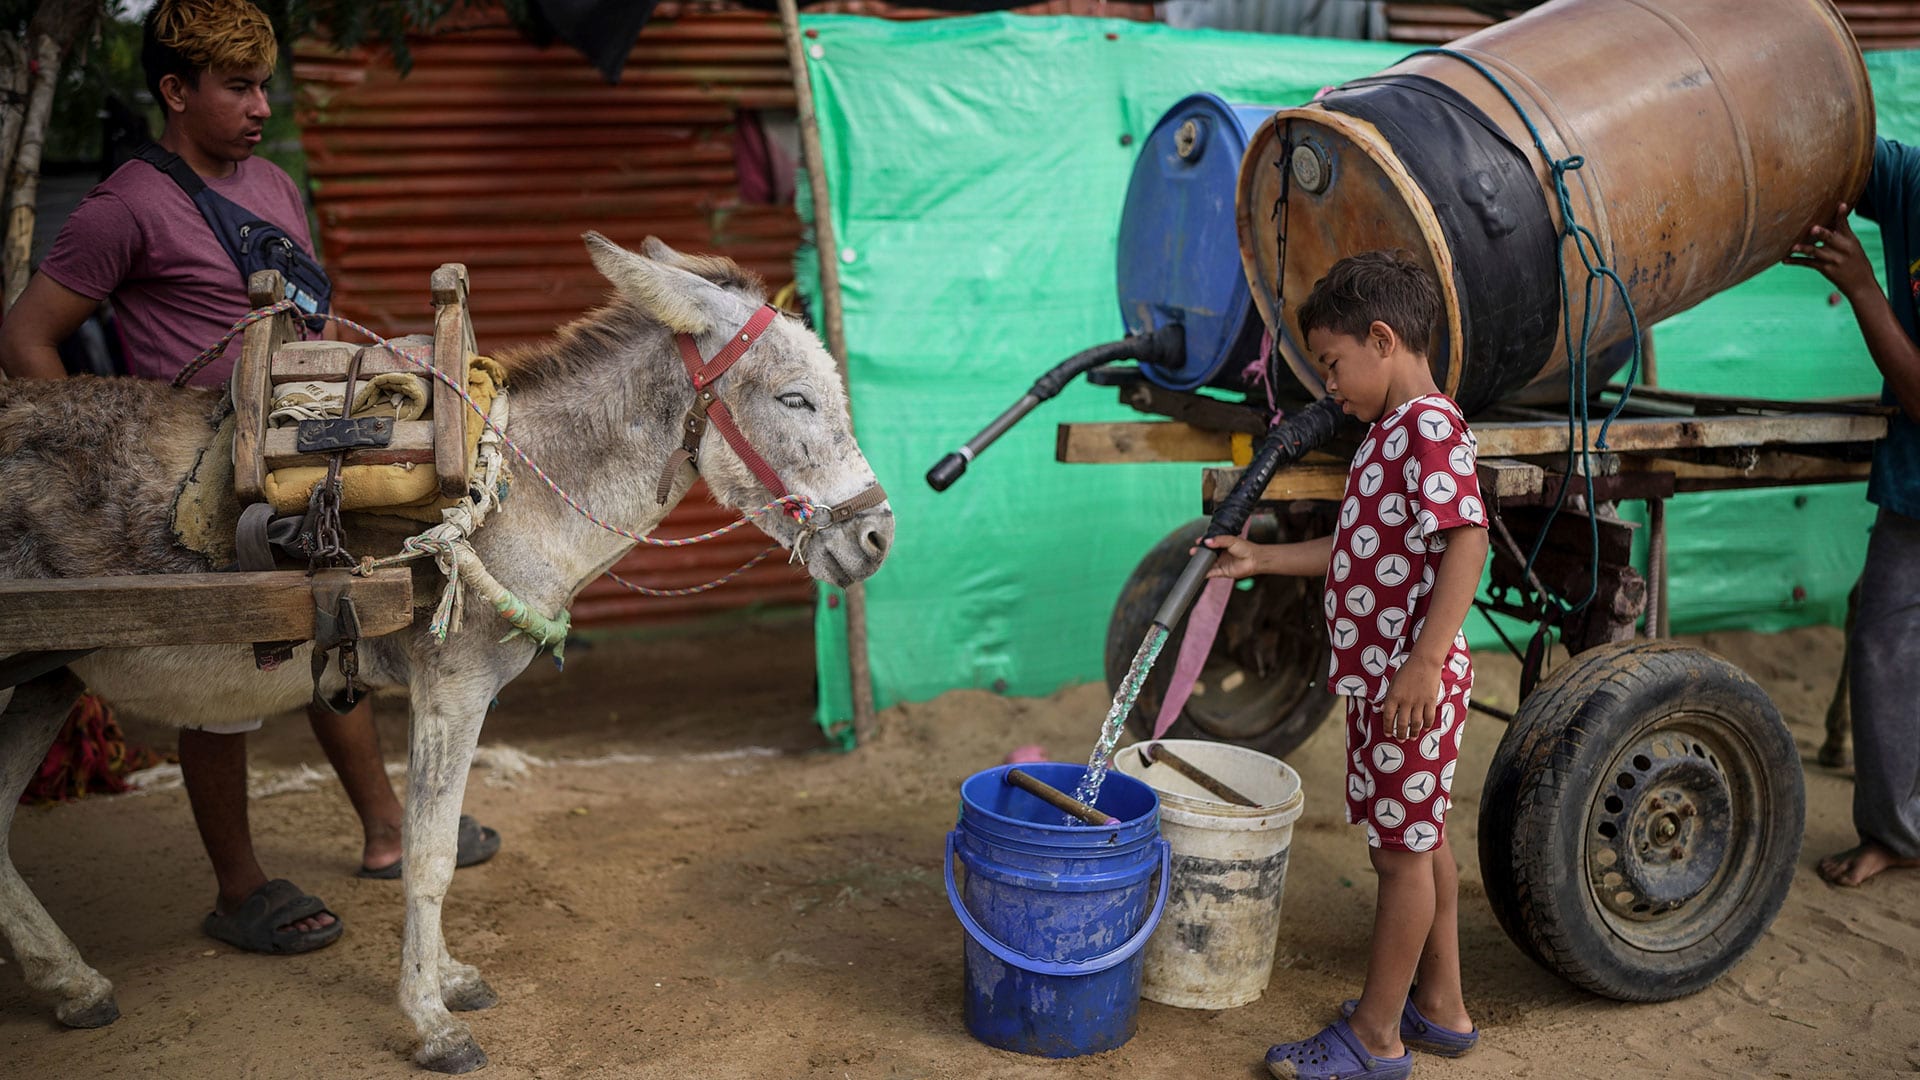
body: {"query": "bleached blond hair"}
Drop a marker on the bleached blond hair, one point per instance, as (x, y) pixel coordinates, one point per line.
(186, 37)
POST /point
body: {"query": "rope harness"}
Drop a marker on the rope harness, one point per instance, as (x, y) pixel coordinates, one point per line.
(449, 542)
(707, 409)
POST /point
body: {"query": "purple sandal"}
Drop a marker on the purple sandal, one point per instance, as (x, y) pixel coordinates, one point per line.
(1334, 1054)
(1422, 1034)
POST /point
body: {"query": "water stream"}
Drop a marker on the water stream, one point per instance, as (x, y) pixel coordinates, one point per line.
(1089, 790)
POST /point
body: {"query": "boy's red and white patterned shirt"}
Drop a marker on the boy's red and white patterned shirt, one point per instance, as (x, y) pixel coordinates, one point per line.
(1413, 478)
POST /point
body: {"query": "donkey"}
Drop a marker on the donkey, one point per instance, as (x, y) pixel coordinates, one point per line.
(88, 470)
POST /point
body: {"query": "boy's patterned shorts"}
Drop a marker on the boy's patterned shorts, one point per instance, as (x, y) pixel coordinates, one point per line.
(1401, 789)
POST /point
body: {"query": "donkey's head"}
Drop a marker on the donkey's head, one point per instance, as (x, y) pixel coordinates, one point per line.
(783, 394)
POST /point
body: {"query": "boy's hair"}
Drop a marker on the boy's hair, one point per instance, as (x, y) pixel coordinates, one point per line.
(187, 37)
(1385, 286)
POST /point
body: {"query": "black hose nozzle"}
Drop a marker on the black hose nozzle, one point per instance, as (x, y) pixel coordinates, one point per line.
(1284, 443)
(1163, 346)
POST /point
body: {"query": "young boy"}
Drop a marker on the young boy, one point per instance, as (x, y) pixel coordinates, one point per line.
(1401, 570)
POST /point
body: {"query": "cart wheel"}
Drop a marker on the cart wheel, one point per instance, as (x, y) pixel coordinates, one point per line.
(1261, 686)
(1641, 820)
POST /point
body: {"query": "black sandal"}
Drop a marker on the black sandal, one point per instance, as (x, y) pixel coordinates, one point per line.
(263, 923)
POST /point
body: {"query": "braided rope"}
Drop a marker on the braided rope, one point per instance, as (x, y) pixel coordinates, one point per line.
(697, 589)
(210, 354)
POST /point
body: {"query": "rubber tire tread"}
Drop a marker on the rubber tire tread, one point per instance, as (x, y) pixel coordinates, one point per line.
(1574, 723)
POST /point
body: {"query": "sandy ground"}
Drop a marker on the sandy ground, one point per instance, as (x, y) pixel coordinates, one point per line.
(690, 887)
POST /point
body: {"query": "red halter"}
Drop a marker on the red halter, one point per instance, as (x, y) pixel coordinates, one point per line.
(707, 406)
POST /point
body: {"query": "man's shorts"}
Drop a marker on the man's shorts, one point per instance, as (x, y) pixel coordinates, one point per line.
(1401, 789)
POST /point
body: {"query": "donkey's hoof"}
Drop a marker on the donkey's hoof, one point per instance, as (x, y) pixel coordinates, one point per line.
(1834, 757)
(463, 1058)
(472, 997)
(99, 1014)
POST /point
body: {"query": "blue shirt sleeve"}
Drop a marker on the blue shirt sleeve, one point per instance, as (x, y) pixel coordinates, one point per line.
(1896, 169)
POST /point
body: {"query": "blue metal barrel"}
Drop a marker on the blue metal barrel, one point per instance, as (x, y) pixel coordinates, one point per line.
(1179, 251)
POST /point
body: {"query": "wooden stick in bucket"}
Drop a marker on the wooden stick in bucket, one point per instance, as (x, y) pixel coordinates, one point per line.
(1155, 753)
(1047, 792)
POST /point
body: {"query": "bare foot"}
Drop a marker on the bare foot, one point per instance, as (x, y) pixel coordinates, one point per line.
(382, 848)
(1856, 865)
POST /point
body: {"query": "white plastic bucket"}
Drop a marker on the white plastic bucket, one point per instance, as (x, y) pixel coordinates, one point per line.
(1214, 947)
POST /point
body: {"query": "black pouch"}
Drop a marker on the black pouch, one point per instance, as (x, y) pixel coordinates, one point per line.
(254, 244)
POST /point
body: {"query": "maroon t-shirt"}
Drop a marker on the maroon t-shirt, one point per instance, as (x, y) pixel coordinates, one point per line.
(139, 239)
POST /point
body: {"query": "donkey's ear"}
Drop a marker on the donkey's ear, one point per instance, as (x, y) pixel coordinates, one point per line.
(678, 299)
(718, 269)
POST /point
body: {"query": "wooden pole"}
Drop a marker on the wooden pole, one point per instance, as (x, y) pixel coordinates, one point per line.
(1046, 792)
(828, 252)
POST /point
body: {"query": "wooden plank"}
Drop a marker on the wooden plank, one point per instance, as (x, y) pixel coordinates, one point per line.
(252, 375)
(1300, 481)
(1771, 468)
(1140, 441)
(452, 344)
(326, 361)
(1505, 478)
(188, 609)
(412, 442)
(1634, 434)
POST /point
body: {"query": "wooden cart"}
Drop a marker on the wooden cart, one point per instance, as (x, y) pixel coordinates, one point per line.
(1640, 822)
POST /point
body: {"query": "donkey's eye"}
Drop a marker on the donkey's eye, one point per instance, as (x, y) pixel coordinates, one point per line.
(795, 400)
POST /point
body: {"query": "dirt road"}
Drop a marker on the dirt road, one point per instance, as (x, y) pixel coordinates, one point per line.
(691, 888)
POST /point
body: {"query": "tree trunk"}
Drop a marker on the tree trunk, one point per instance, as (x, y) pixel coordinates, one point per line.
(50, 37)
(13, 101)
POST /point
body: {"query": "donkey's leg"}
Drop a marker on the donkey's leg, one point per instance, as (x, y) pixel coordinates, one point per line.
(446, 726)
(51, 964)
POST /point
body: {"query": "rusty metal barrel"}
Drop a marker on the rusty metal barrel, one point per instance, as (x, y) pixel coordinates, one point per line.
(1698, 141)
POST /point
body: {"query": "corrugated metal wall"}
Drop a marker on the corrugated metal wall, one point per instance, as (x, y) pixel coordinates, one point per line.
(1877, 24)
(498, 154)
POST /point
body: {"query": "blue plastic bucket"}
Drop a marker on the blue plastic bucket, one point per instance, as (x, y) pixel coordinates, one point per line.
(1055, 914)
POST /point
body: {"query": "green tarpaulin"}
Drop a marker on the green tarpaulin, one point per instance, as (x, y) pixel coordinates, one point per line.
(977, 168)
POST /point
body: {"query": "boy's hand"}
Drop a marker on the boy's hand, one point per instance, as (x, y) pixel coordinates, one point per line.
(1835, 252)
(1413, 698)
(1239, 557)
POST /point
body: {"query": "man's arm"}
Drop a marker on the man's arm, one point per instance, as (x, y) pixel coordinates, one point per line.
(46, 314)
(1836, 253)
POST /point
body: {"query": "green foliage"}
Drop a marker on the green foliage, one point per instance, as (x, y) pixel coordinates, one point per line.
(349, 24)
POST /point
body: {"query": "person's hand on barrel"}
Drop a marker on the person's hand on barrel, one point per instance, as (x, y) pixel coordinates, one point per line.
(1834, 251)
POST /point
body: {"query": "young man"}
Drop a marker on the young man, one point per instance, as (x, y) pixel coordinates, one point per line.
(1401, 570)
(1885, 639)
(140, 240)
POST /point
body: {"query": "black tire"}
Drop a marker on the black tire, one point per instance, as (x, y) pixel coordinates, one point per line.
(1263, 683)
(1641, 820)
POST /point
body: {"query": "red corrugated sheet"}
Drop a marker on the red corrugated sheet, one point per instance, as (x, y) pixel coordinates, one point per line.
(498, 154)
(1877, 24)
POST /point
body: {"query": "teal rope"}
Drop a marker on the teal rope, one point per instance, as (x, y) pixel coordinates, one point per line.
(1595, 262)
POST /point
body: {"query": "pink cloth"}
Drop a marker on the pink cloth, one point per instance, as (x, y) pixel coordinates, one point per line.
(1203, 625)
(138, 239)
(1413, 478)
